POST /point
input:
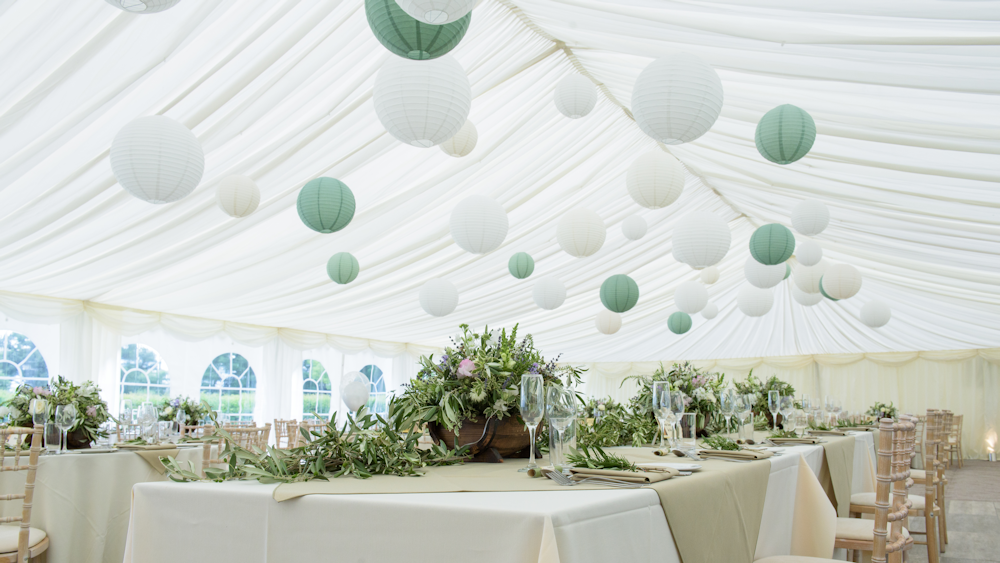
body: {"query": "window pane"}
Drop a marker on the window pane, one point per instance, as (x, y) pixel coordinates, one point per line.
(135, 376)
(309, 386)
(324, 382)
(210, 379)
(324, 404)
(308, 402)
(210, 397)
(128, 357)
(22, 359)
(240, 365)
(230, 401)
(231, 383)
(250, 380)
(137, 393)
(249, 399)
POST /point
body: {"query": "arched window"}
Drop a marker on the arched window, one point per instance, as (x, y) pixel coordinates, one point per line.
(377, 399)
(228, 386)
(143, 376)
(22, 363)
(316, 390)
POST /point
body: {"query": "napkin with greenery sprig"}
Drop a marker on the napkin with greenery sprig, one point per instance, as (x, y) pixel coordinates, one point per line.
(603, 464)
(722, 447)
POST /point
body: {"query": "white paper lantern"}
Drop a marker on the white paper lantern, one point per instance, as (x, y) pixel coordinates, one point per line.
(634, 227)
(478, 224)
(841, 281)
(581, 232)
(807, 278)
(575, 96)
(808, 253)
(437, 12)
(710, 311)
(762, 275)
(422, 103)
(875, 314)
(803, 298)
(691, 297)
(463, 142)
(810, 217)
(549, 293)
(709, 275)
(238, 196)
(608, 322)
(754, 301)
(701, 240)
(354, 390)
(655, 179)
(157, 159)
(438, 297)
(143, 6)
(677, 99)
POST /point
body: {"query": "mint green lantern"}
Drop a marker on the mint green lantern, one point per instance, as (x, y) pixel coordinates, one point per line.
(785, 134)
(409, 37)
(342, 267)
(521, 265)
(823, 291)
(325, 205)
(788, 271)
(619, 293)
(772, 244)
(679, 322)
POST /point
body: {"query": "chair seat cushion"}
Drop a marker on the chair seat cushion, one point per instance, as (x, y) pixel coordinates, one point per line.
(858, 529)
(8, 537)
(868, 499)
(918, 474)
(795, 559)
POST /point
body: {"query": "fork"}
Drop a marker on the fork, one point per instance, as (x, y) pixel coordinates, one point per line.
(565, 481)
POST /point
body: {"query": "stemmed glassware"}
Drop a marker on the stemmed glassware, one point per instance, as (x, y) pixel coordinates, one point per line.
(837, 407)
(560, 408)
(532, 410)
(65, 418)
(787, 408)
(727, 402)
(661, 406)
(39, 409)
(147, 418)
(774, 405)
(127, 411)
(751, 400)
(677, 405)
(744, 406)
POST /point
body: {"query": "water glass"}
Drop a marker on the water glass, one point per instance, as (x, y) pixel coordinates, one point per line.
(743, 410)
(801, 422)
(53, 437)
(147, 418)
(560, 408)
(689, 431)
(532, 410)
(163, 430)
(39, 409)
(65, 418)
(661, 406)
(126, 414)
(787, 408)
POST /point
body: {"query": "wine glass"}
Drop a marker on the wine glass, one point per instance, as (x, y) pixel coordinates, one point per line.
(677, 405)
(837, 408)
(532, 410)
(560, 408)
(728, 405)
(787, 408)
(39, 409)
(661, 406)
(751, 399)
(773, 405)
(127, 411)
(65, 418)
(147, 419)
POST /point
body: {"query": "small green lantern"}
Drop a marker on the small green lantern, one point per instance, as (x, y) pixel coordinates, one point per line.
(679, 322)
(325, 205)
(772, 244)
(411, 38)
(823, 291)
(619, 293)
(785, 134)
(521, 265)
(342, 267)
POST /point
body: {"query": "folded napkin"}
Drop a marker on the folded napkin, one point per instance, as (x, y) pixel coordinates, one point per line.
(828, 433)
(144, 447)
(651, 476)
(795, 441)
(153, 456)
(736, 454)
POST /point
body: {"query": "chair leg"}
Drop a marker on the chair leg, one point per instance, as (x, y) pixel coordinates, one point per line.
(932, 538)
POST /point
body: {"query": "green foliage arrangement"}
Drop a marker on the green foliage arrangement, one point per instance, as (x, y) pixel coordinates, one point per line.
(753, 385)
(92, 411)
(783, 434)
(819, 426)
(194, 411)
(719, 443)
(700, 388)
(882, 410)
(610, 425)
(599, 459)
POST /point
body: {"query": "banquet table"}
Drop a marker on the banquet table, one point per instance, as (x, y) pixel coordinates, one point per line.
(241, 522)
(82, 500)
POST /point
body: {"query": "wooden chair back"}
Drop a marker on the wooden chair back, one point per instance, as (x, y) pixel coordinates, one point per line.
(198, 431)
(248, 438)
(15, 437)
(313, 426)
(126, 432)
(890, 512)
(285, 432)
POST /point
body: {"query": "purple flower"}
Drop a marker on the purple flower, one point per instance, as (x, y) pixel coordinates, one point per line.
(687, 400)
(534, 368)
(465, 368)
(175, 403)
(92, 410)
(42, 391)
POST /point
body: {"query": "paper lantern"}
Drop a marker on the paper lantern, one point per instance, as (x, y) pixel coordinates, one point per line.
(549, 293)
(875, 314)
(676, 99)
(634, 227)
(143, 6)
(679, 322)
(803, 298)
(709, 275)
(521, 265)
(619, 293)
(437, 12)
(810, 217)
(655, 179)
(772, 244)
(237, 196)
(408, 37)
(785, 134)
(808, 253)
(608, 322)
(841, 281)
(478, 224)
(575, 96)
(355, 389)
(690, 297)
(342, 267)
(438, 297)
(788, 271)
(463, 142)
(824, 293)
(701, 239)
(422, 103)
(581, 232)
(762, 276)
(807, 278)
(157, 159)
(754, 301)
(326, 205)
(710, 311)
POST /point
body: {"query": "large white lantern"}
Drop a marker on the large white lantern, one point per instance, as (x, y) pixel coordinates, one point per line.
(157, 159)
(575, 96)
(841, 281)
(701, 239)
(478, 224)
(422, 103)
(581, 232)
(810, 217)
(634, 227)
(463, 142)
(549, 293)
(691, 297)
(143, 6)
(238, 196)
(807, 278)
(608, 322)
(710, 311)
(754, 301)
(437, 12)
(803, 298)
(438, 297)
(709, 275)
(875, 314)
(808, 253)
(655, 179)
(676, 99)
(354, 390)
(762, 275)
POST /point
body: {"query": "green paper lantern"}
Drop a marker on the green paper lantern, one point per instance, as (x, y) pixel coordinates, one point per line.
(823, 291)
(679, 322)
(343, 267)
(325, 205)
(409, 37)
(788, 271)
(619, 293)
(785, 134)
(772, 244)
(521, 265)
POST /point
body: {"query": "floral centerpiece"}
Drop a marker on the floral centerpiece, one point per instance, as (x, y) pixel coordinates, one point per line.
(753, 386)
(879, 411)
(91, 410)
(701, 395)
(194, 411)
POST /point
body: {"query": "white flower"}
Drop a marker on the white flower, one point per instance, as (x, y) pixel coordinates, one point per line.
(14, 413)
(168, 411)
(601, 408)
(703, 394)
(88, 390)
(4, 411)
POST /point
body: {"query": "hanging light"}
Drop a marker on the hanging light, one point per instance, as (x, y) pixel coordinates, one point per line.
(634, 227)
(619, 293)
(772, 244)
(463, 142)
(343, 267)
(549, 293)
(762, 276)
(581, 232)
(438, 297)
(803, 298)
(437, 12)
(807, 277)
(521, 265)
(710, 275)
(679, 322)
(325, 205)
(478, 224)
(710, 311)
(810, 217)
(608, 322)
(422, 103)
(143, 6)
(655, 179)
(677, 99)
(690, 297)
(701, 239)
(808, 253)
(409, 37)
(841, 281)
(157, 159)
(575, 96)
(785, 134)
(875, 314)
(237, 196)
(754, 301)
(355, 389)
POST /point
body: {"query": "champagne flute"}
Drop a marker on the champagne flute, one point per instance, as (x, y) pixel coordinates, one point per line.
(560, 407)
(677, 405)
(773, 405)
(65, 418)
(532, 410)
(751, 399)
(661, 406)
(728, 405)
(39, 409)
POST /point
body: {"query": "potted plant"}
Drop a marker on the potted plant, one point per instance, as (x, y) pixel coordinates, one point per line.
(91, 410)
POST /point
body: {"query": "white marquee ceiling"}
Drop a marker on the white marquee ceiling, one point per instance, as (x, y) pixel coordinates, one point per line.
(904, 94)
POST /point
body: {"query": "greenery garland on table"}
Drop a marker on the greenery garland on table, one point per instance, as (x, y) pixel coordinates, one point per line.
(91, 410)
(194, 411)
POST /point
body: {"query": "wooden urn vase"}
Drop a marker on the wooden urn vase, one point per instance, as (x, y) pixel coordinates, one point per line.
(488, 440)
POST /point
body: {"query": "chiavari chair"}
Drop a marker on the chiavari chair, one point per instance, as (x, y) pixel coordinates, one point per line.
(23, 543)
(953, 443)
(126, 432)
(312, 427)
(285, 432)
